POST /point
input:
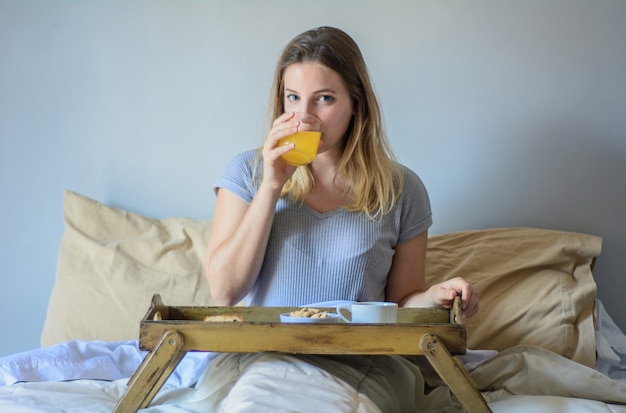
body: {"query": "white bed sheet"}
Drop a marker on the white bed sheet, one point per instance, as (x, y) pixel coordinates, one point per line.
(91, 376)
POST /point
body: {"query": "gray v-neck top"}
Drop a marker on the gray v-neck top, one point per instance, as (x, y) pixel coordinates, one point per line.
(339, 255)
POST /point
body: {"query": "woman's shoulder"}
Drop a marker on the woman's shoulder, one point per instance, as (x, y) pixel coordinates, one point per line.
(414, 203)
(410, 177)
(240, 175)
(243, 162)
(245, 157)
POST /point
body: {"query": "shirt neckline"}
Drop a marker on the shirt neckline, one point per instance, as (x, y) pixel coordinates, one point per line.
(323, 215)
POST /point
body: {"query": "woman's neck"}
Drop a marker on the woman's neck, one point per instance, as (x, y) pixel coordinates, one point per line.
(329, 190)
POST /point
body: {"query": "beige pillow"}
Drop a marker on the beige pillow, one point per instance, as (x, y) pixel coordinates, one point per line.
(112, 261)
(536, 287)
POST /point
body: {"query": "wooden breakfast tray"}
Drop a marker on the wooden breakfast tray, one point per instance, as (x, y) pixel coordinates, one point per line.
(168, 332)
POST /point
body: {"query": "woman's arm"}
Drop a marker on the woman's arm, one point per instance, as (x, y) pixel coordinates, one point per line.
(237, 244)
(240, 231)
(407, 274)
(406, 283)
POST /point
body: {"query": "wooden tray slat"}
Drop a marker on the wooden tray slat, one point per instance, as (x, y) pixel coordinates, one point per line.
(304, 338)
(263, 331)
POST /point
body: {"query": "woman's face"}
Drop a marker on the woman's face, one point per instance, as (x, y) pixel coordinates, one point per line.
(315, 89)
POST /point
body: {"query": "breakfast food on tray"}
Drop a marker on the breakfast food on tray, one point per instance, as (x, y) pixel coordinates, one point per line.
(309, 313)
(223, 318)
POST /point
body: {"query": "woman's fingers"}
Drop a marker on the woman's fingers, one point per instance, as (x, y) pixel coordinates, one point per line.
(276, 171)
(450, 289)
(282, 127)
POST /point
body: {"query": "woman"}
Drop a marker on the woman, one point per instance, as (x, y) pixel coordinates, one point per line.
(352, 225)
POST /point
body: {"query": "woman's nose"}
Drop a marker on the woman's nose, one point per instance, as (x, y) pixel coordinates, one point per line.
(306, 107)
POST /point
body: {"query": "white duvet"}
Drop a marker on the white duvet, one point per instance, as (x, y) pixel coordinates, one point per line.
(91, 377)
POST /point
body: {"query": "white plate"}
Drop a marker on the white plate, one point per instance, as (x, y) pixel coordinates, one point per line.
(286, 318)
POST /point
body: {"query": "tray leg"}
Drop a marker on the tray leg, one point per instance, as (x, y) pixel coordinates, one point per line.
(453, 373)
(152, 373)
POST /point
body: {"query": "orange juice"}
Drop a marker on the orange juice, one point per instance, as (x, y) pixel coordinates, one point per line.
(307, 143)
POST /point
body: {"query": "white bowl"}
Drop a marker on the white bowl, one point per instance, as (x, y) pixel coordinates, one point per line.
(287, 318)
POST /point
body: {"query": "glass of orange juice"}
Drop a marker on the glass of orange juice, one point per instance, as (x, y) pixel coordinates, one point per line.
(306, 140)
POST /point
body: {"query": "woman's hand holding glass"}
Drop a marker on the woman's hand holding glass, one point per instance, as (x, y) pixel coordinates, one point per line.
(293, 141)
(276, 171)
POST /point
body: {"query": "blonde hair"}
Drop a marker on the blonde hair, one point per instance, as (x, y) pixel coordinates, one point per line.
(374, 180)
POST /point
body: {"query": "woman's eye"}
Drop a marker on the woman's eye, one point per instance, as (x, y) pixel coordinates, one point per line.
(326, 98)
(291, 97)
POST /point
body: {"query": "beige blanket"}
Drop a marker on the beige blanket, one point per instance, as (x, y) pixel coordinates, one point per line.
(528, 370)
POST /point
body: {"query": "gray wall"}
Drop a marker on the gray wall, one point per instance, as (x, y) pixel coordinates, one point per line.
(512, 112)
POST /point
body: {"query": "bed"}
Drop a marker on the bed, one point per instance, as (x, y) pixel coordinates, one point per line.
(541, 342)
